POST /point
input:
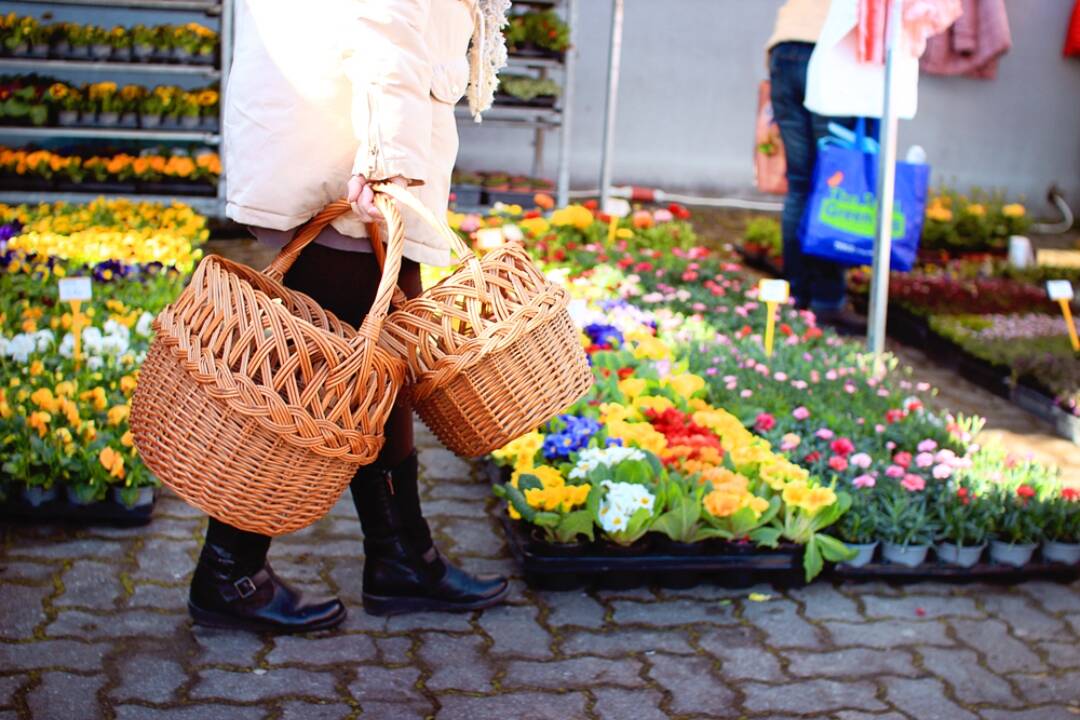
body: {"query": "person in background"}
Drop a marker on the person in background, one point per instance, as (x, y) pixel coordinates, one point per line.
(816, 284)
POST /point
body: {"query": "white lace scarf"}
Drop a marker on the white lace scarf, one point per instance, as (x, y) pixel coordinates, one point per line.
(488, 53)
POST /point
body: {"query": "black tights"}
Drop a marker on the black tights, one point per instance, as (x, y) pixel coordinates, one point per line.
(344, 283)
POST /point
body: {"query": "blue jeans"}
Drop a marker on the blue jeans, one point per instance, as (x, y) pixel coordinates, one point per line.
(815, 283)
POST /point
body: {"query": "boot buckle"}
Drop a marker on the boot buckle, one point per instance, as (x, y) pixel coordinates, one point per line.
(245, 587)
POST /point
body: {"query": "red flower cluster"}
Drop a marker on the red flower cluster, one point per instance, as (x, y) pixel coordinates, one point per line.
(842, 446)
(764, 422)
(964, 494)
(680, 212)
(894, 416)
(903, 459)
(1025, 493)
(1070, 494)
(681, 430)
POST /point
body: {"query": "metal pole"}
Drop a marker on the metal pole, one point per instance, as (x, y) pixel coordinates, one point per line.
(227, 18)
(614, 61)
(879, 285)
(567, 102)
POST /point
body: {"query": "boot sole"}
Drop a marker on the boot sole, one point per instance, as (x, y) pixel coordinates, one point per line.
(383, 605)
(213, 619)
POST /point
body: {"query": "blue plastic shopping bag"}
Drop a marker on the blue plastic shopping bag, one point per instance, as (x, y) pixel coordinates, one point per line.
(841, 214)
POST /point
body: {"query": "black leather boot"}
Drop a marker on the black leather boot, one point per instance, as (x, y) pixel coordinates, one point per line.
(234, 587)
(403, 570)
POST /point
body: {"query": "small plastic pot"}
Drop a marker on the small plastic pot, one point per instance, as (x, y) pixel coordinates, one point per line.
(864, 554)
(122, 54)
(906, 555)
(20, 50)
(150, 122)
(108, 119)
(39, 50)
(679, 579)
(36, 496)
(88, 118)
(1061, 552)
(129, 120)
(101, 51)
(189, 122)
(1015, 554)
(81, 495)
(143, 53)
(143, 497)
(79, 52)
(67, 118)
(960, 555)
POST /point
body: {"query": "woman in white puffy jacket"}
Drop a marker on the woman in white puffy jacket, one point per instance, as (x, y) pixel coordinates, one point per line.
(323, 98)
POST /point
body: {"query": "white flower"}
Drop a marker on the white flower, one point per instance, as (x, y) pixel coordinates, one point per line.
(592, 458)
(620, 503)
(43, 340)
(20, 347)
(67, 346)
(145, 325)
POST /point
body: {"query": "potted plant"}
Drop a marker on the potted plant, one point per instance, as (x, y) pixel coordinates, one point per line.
(17, 32)
(857, 528)
(100, 46)
(1062, 542)
(109, 103)
(121, 41)
(78, 41)
(133, 496)
(143, 41)
(152, 106)
(188, 110)
(131, 97)
(39, 40)
(560, 512)
(1017, 524)
(58, 40)
(206, 45)
(964, 520)
(904, 525)
(209, 101)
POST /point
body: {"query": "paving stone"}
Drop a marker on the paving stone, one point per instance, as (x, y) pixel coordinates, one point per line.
(132, 623)
(376, 684)
(68, 654)
(191, 712)
(780, 621)
(456, 663)
(971, 683)
(63, 695)
(252, 687)
(146, 595)
(348, 577)
(924, 699)
(315, 711)
(693, 686)
(317, 550)
(823, 601)
(166, 560)
(471, 537)
(1062, 655)
(9, 685)
(1026, 620)
(148, 678)
(583, 672)
(394, 650)
(1045, 688)
(447, 622)
(810, 696)
(169, 504)
(478, 492)
(516, 631)
(894, 633)
(520, 706)
(573, 608)
(852, 662)
(1003, 653)
(226, 647)
(395, 711)
(1055, 597)
(28, 572)
(859, 715)
(70, 549)
(741, 655)
(441, 464)
(91, 585)
(334, 650)
(616, 704)
(454, 507)
(671, 613)
(1046, 712)
(626, 641)
(23, 609)
(642, 593)
(920, 606)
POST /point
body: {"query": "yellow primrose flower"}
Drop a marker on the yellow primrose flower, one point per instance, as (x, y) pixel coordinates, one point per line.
(686, 384)
(520, 450)
(535, 226)
(632, 387)
(647, 347)
(795, 494)
(640, 435)
(43, 398)
(612, 412)
(39, 421)
(65, 389)
(719, 503)
(1014, 210)
(127, 440)
(757, 504)
(653, 402)
(36, 367)
(572, 215)
(818, 498)
(975, 210)
(112, 461)
(118, 414)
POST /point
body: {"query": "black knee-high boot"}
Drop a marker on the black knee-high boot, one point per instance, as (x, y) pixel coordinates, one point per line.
(234, 587)
(403, 570)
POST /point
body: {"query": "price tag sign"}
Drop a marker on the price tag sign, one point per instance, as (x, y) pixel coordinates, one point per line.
(75, 288)
(1059, 290)
(489, 238)
(774, 291)
(616, 207)
(513, 233)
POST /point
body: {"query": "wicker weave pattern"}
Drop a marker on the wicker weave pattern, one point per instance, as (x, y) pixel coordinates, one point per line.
(255, 404)
(491, 350)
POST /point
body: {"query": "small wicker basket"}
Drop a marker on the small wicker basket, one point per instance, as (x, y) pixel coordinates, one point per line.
(256, 405)
(491, 350)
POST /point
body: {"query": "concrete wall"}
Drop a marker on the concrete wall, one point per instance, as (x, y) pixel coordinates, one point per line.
(690, 74)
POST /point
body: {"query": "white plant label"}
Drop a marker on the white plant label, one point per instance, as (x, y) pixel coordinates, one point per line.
(1059, 290)
(513, 233)
(489, 238)
(776, 291)
(75, 288)
(616, 207)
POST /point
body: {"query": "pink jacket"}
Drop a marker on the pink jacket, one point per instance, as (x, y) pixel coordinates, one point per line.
(973, 45)
(340, 87)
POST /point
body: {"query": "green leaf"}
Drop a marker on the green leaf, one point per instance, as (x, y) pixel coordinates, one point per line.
(527, 481)
(812, 561)
(833, 550)
(39, 114)
(546, 519)
(573, 524)
(766, 536)
(707, 533)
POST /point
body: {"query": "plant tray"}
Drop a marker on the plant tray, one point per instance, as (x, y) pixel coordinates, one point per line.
(759, 261)
(940, 572)
(1065, 424)
(509, 197)
(60, 510)
(467, 196)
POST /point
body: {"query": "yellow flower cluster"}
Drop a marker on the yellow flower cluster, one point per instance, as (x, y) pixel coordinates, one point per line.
(811, 499)
(121, 166)
(577, 216)
(554, 495)
(521, 451)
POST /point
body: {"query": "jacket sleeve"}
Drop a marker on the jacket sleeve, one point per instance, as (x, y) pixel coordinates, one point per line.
(387, 62)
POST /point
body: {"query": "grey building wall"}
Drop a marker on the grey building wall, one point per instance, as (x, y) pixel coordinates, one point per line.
(690, 74)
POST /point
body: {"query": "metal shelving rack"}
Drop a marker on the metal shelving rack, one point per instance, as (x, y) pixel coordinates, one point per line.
(543, 120)
(213, 206)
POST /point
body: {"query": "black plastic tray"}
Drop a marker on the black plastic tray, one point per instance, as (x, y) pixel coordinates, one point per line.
(940, 572)
(759, 261)
(106, 512)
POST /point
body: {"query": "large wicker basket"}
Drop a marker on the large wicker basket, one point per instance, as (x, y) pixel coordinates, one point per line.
(256, 405)
(491, 350)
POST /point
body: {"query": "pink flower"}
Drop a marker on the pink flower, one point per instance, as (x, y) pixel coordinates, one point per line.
(842, 446)
(838, 463)
(800, 413)
(946, 456)
(765, 422)
(861, 460)
(894, 471)
(924, 460)
(790, 442)
(780, 377)
(799, 384)
(879, 428)
(942, 472)
(903, 459)
(831, 375)
(864, 481)
(913, 482)
(849, 388)
(927, 446)
(825, 434)
(745, 393)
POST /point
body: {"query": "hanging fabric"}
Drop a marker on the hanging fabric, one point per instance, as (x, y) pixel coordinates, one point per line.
(973, 45)
(922, 20)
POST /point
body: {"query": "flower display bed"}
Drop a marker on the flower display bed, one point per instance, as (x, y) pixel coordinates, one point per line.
(111, 511)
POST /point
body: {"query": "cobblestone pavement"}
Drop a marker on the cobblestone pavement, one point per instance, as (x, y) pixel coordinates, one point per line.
(93, 624)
